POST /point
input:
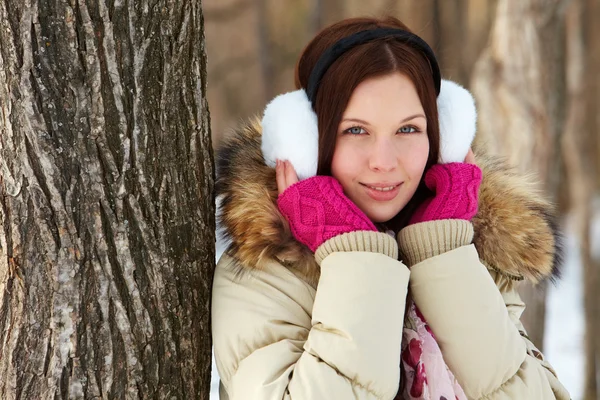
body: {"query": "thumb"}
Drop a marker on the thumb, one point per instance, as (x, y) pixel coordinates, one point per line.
(470, 158)
(291, 176)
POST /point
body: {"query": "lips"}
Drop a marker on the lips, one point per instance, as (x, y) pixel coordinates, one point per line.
(382, 191)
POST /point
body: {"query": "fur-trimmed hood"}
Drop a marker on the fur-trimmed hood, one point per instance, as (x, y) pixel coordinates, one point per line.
(516, 233)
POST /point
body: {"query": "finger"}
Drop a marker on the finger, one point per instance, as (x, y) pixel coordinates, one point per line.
(291, 176)
(470, 158)
(280, 175)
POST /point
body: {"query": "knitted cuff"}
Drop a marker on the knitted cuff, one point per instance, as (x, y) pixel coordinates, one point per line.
(421, 241)
(376, 242)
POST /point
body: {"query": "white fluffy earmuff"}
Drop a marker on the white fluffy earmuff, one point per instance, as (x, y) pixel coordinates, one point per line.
(290, 130)
(458, 122)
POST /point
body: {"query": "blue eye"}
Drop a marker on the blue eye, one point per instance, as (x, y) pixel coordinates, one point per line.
(355, 130)
(408, 129)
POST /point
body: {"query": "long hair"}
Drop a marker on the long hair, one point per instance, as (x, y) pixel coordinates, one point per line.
(377, 58)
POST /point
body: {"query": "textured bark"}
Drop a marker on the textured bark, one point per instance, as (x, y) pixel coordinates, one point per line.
(106, 200)
(520, 86)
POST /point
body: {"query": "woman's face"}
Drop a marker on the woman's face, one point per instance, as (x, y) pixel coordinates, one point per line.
(382, 146)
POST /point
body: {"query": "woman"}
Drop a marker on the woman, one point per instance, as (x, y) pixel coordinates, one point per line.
(390, 273)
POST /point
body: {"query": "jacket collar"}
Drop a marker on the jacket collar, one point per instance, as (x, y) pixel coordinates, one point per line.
(516, 233)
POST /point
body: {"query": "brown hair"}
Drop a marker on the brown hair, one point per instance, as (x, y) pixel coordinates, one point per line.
(380, 57)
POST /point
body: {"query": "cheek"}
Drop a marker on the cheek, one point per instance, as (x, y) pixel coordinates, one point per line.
(417, 159)
(344, 162)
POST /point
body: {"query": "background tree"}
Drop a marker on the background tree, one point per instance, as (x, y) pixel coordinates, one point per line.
(519, 83)
(536, 109)
(106, 200)
(578, 149)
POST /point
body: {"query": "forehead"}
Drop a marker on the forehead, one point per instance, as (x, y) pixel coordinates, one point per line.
(379, 94)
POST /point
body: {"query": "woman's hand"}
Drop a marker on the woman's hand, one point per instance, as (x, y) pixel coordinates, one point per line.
(286, 175)
(456, 189)
(316, 208)
(470, 158)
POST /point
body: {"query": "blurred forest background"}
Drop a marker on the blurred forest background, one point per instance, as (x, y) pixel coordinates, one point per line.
(532, 65)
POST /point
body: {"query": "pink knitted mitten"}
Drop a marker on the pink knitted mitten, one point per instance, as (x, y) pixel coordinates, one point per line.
(456, 188)
(318, 210)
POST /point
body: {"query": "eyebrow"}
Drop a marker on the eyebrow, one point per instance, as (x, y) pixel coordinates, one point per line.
(360, 121)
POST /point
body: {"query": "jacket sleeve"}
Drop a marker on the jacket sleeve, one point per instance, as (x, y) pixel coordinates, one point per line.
(475, 321)
(275, 337)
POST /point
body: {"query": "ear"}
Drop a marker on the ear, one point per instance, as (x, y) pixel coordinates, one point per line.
(290, 132)
(458, 122)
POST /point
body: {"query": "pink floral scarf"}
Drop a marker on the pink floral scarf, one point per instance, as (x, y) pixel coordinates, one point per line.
(425, 375)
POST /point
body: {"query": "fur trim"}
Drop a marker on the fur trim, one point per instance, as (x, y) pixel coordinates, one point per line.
(223, 240)
(515, 231)
(515, 227)
(249, 217)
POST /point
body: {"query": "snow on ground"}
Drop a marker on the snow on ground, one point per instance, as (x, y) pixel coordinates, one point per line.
(563, 346)
(214, 382)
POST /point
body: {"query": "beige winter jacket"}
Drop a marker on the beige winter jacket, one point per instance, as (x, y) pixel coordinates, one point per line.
(288, 324)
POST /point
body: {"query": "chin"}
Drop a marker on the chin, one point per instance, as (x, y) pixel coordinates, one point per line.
(380, 216)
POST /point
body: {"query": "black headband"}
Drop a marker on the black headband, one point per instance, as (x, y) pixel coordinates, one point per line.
(343, 45)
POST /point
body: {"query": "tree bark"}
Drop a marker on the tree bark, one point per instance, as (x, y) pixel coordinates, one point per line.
(519, 85)
(106, 201)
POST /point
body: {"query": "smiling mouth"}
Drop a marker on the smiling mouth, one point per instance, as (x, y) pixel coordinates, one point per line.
(382, 188)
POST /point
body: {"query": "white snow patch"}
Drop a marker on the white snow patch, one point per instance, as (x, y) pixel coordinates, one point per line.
(214, 381)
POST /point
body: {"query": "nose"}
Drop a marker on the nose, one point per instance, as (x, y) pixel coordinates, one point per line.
(383, 157)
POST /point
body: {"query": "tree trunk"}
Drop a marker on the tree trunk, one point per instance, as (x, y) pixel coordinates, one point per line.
(451, 38)
(583, 29)
(333, 11)
(316, 17)
(462, 30)
(390, 7)
(519, 86)
(106, 201)
(580, 178)
(592, 21)
(264, 49)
